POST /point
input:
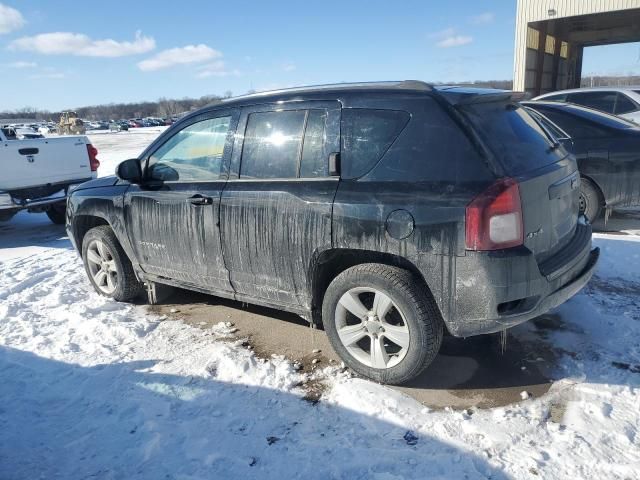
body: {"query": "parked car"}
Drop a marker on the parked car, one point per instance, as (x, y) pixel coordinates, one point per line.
(118, 126)
(385, 211)
(621, 101)
(38, 172)
(607, 149)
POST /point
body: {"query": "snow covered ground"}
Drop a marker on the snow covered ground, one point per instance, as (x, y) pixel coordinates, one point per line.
(90, 388)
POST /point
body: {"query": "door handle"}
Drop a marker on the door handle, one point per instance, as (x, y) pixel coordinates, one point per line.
(200, 200)
(28, 151)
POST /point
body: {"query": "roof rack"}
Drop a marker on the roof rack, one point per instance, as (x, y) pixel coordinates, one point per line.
(399, 84)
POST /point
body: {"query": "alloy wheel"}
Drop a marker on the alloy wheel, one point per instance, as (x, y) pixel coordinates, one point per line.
(372, 328)
(102, 267)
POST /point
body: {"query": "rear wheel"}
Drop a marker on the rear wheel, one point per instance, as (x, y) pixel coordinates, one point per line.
(382, 322)
(108, 267)
(590, 200)
(57, 213)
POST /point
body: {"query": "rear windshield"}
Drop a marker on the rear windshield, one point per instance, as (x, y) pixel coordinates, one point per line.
(513, 136)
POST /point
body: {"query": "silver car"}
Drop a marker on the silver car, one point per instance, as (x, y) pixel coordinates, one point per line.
(621, 101)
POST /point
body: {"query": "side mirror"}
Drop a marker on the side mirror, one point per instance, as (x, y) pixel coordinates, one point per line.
(130, 171)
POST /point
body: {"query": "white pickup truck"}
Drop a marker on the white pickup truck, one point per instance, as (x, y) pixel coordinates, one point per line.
(37, 173)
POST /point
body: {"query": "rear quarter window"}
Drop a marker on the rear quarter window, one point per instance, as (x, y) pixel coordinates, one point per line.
(513, 136)
(366, 135)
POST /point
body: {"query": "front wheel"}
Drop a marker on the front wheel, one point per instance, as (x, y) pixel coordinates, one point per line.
(108, 267)
(382, 322)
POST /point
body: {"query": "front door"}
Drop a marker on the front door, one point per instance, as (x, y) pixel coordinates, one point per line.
(173, 217)
(275, 212)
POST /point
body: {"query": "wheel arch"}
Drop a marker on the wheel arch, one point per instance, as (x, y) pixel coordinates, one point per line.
(597, 186)
(82, 224)
(330, 263)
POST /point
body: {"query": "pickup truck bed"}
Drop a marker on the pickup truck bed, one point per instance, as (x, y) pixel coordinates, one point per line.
(36, 173)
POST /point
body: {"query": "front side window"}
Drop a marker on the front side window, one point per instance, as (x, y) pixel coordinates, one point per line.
(285, 144)
(193, 154)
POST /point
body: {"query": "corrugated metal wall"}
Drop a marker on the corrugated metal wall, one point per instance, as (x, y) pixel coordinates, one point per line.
(537, 10)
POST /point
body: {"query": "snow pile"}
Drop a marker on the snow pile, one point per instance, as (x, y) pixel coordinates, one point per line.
(94, 388)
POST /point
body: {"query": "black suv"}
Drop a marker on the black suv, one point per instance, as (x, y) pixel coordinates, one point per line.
(387, 212)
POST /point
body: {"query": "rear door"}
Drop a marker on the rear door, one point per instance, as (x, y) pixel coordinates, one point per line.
(547, 175)
(275, 211)
(173, 218)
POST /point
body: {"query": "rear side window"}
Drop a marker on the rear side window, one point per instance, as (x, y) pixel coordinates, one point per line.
(366, 135)
(513, 136)
(604, 101)
(272, 144)
(624, 104)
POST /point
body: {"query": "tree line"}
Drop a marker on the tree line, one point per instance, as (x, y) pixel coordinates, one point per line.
(162, 108)
(168, 107)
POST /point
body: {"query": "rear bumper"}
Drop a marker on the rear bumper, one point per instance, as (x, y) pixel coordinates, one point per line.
(493, 294)
(9, 203)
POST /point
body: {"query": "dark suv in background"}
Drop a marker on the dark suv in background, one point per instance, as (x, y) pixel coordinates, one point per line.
(386, 211)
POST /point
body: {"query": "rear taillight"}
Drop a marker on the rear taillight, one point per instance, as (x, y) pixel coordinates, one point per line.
(93, 157)
(494, 218)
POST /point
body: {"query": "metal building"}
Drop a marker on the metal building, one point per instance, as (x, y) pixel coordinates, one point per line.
(551, 36)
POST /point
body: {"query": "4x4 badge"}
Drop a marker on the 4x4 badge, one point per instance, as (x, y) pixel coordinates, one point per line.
(534, 234)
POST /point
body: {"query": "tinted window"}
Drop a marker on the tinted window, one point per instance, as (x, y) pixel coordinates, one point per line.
(624, 104)
(604, 101)
(575, 126)
(553, 129)
(314, 161)
(193, 154)
(513, 136)
(556, 98)
(366, 136)
(272, 144)
(432, 148)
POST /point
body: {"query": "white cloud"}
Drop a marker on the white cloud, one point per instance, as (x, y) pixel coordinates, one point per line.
(483, 18)
(215, 69)
(179, 56)
(289, 67)
(67, 43)
(449, 37)
(454, 41)
(10, 19)
(22, 65)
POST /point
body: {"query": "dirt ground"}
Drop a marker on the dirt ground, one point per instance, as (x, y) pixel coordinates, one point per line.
(467, 373)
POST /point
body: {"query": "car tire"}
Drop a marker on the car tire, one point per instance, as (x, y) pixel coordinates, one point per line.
(590, 200)
(395, 316)
(6, 216)
(57, 213)
(107, 265)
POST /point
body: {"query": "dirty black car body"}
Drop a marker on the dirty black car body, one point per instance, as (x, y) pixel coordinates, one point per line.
(387, 211)
(606, 147)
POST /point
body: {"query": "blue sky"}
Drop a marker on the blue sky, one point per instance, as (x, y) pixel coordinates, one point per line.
(66, 54)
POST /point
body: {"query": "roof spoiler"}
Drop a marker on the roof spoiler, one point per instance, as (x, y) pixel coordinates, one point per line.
(464, 96)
